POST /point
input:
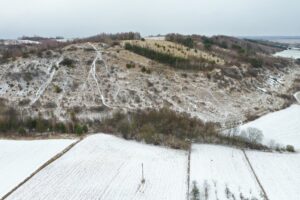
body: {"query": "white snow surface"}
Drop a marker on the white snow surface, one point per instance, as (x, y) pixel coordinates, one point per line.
(217, 168)
(19, 159)
(290, 53)
(106, 167)
(282, 126)
(297, 96)
(278, 173)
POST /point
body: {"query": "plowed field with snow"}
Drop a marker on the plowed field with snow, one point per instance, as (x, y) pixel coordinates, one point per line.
(109, 168)
(278, 173)
(222, 173)
(19, 159)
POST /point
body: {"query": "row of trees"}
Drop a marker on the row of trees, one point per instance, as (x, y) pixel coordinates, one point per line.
(191, 63)
(181, 39)
(110, 38)
(12, 121)
(159, 126)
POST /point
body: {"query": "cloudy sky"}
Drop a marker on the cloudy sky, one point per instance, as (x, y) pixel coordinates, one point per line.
(77, 18)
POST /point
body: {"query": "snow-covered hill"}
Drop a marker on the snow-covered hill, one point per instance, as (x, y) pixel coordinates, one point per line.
(99, 81)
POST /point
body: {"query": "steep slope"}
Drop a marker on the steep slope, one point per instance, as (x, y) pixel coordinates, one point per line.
(94, 79)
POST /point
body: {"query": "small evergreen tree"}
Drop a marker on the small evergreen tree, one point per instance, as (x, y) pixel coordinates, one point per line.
(195, 194)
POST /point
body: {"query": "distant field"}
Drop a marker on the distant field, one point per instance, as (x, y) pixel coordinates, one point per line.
(18, 159)
(282, 127)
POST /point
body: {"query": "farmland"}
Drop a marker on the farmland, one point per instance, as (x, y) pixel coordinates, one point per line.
(18, 159)
(105, 167)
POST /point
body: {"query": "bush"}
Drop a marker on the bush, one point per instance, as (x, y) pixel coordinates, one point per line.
(256, 63)
(147, 132)
(290, 148)
(57, 89)
(130, 65)
(78, 129)
(207, 43)
(21, 131)
(68, 62)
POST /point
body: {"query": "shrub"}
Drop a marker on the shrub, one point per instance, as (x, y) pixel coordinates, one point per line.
(21, 131)
(57, 89)
(68, 62)
(256, 63)
(147, 132)
(207, 43)
(85, 128)
(290, 148)
(78, 129)
(130, 65)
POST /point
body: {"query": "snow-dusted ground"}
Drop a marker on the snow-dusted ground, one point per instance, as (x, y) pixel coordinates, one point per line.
(19, 159)
(282, 126)
(297, 96)
(109, 168)
(279, 174)
(290, 53)
(217, 168)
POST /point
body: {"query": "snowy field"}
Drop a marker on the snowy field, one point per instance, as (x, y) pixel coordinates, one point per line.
(19, 159)
(278, 173)
(291, 53)
(106, 167)
(222, 172)
(283, 126)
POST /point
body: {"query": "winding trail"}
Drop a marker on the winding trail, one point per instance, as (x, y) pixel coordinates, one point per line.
(51, 70)
(93, 73)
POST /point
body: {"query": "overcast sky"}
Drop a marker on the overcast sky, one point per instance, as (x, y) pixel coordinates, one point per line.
(77, 18)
